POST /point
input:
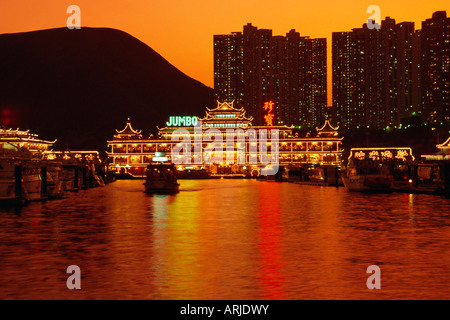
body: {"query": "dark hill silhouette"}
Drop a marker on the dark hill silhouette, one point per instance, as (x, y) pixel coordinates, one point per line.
(78, 86)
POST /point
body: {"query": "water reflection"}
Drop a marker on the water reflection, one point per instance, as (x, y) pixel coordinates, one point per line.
(227, 239)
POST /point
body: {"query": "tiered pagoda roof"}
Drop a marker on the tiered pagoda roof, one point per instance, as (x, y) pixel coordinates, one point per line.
(17, 135)
(128, 132)
(442, 155)
(226, 108)
(444, 147)
(327, 130)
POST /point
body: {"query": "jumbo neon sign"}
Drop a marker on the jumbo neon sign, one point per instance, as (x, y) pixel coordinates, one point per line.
(185, 121)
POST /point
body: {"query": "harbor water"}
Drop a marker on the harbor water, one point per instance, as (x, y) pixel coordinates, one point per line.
(227, 239)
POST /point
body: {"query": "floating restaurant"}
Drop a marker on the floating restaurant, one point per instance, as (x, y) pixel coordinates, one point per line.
(30, 170)
(431, 174)
(17, 140)
(434, 170)
(443, 153)
(130, 153)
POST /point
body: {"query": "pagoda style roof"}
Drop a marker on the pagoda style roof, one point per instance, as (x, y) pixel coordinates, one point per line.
(327, 127)
(16, 132)
(445, 145)
(128, 129)
(19, 135)
(226, 107)
(442, 155)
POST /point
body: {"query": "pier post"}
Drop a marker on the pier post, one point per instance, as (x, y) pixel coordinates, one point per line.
(336, 176)
(279, 174)
(102, 172)
(416, 176)
(84, 177)
(43, 182)
(91, 177)
(75, 177)
(447, 178)
(18, 182)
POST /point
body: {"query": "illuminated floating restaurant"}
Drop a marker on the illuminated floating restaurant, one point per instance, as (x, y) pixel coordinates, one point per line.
(16, 140)
(130, 153)
(443, 153)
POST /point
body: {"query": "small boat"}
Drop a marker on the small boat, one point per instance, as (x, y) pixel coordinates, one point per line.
(21, 173)
(31, 181)
(292, 174)
(368, 176)
(54, 180)
(161, 178)
(194, 174)
(7, 182)
(71, 179)
(29, 188)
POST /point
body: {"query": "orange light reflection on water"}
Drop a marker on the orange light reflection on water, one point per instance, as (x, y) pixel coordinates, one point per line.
(227, 239)
(269, 243)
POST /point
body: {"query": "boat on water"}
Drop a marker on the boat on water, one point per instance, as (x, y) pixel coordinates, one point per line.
(161, 178)
(54, 176)
(27, 172)
(193, 174)
(367, 175)
(21, 167)
(292, 174)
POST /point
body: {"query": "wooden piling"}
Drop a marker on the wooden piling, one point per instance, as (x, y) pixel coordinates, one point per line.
(447, 178)
(91, 177)
(84, 177)
(18, 182)
(416, 176)
(43, 182)
(336, 176)
(75, 178)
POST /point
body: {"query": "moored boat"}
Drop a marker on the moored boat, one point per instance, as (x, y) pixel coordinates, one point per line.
(31, 182)
(368, 176)
(7, 181)
(21, 165)
(193, 174)
(27, 187)
(161, 178)
(54, 185)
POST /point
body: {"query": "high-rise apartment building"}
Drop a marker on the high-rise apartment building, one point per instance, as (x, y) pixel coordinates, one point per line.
(373, 75)
(313, 79)
(257, 71)
(229, 67)
(348, 61)
(289, 70)
(435, 68)
(383, 76)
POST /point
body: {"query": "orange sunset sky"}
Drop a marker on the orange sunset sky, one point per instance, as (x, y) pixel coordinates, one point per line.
(182, 30)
